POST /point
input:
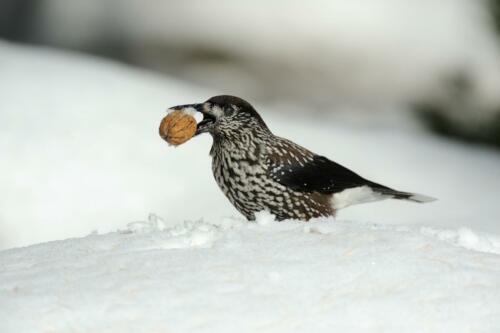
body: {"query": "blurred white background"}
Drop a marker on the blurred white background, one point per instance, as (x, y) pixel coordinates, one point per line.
(370, 85)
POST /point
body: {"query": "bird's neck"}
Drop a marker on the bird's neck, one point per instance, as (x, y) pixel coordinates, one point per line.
(243, 141)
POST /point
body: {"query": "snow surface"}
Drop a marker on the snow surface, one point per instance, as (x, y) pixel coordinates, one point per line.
(81, 149)
(83, 153)
(229, 275)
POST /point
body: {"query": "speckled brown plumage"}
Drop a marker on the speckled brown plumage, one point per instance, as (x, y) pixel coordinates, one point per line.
(257, 170)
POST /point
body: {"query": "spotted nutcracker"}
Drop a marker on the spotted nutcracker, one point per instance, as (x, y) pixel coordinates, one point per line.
(258, 170)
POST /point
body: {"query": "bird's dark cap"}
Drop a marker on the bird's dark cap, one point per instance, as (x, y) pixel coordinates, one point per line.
(228, 99)
(244, 106)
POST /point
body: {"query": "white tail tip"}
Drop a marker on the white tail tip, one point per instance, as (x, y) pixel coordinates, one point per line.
(421, 198)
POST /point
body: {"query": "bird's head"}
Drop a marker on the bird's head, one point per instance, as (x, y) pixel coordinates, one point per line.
(227, 116)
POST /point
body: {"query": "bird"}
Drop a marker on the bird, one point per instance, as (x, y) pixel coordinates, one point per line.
(259, 171)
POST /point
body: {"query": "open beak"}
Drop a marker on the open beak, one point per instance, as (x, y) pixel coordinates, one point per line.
(206, 123)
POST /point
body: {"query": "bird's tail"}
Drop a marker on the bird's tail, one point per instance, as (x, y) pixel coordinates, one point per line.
(415, 197)
(374, 192)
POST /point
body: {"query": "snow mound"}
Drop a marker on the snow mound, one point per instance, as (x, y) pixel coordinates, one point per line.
(156, 235)
(466, 238)
(229, 275)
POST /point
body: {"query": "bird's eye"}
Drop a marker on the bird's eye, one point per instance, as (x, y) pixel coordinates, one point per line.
(229, 110)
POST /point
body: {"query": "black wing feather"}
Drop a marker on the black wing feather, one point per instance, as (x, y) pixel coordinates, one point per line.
(321, 175)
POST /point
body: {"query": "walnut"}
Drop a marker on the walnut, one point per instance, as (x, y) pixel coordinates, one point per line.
(177, 127)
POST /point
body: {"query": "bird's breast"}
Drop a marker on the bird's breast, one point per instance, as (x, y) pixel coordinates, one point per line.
(245, 181)
(241, 175)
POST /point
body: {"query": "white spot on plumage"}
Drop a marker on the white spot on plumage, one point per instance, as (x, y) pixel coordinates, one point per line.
(356, 195)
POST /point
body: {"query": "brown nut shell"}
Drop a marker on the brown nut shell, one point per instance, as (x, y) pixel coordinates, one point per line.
(177, 127)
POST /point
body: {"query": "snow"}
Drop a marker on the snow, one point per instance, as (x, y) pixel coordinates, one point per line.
(229, 275)
(81, 136)
(466, 238)
(85, 158)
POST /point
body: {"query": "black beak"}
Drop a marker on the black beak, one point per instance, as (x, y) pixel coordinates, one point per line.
(197, 107)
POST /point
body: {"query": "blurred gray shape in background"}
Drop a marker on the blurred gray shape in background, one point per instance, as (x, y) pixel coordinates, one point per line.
(440, 58)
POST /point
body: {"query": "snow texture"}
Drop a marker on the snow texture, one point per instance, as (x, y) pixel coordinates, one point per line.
(84, 154)
(228, 275)
(466, 238)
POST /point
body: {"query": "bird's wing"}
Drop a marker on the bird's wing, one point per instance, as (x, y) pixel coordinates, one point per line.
(318, 174)
(303, 171)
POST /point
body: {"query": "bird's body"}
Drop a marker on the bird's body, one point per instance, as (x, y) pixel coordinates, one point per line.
(248, 174)
(258, 171)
